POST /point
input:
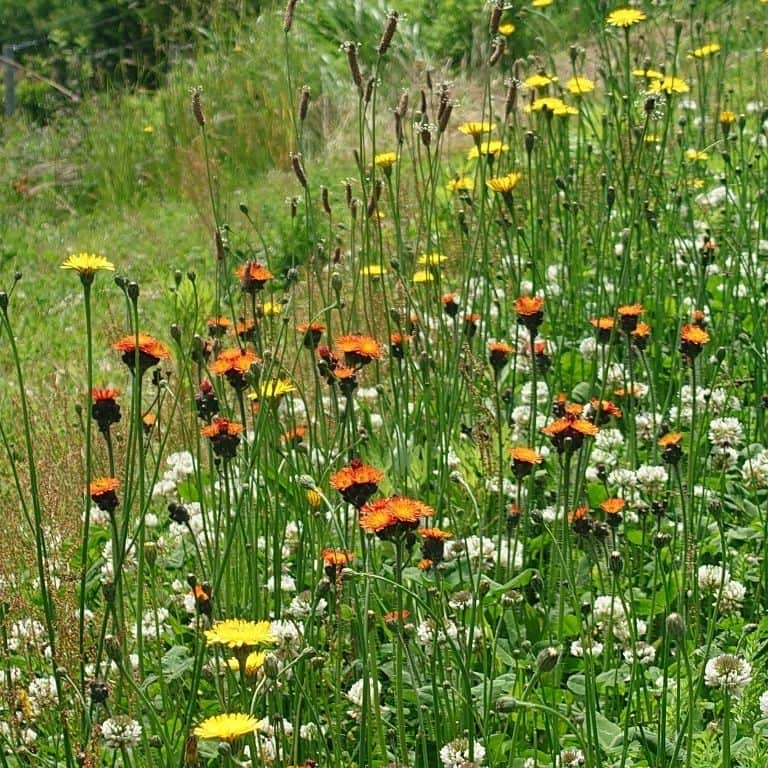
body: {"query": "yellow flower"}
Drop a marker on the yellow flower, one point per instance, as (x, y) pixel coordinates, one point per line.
(651, 138)
(87, 264)
(432, 259)
(226, 727)
(149, 129)
(505, 183)
(461, 184)
(565, 110)
(580, 85)
(696, 155)
(273, 389)
(271, 308)
(506, 29)
(625, 17)
(545, 103)
(423, 276)
(648, 74)
(541, 3)
(475, 128)
(240, 633)
(669, 85)
(385, 160)
(254, 661)
(705, 50)
(727, 117)
(494, 147)
(539, 80)
(696, 184)
(373, 270)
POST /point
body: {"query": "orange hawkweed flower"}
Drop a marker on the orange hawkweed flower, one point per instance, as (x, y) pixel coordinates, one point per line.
(640, 335)
(235, 364)
(581, 522)
(104, 410)
(294, 436)
(397, 342)
(245, 329)
(103, 493)
(433, 543)
(613, 506)
(530, 312)
(253, 276)
(450, 302)
(312, 333)
(603, 327)
(359, 349)
(602, 410)
(629, 316)
(568, 432)
(224, 436)
(524, 460)
(217, 326)
(357, 482)
(672, 450)
(692, 340)
(391, 517)
(334, 560)
(150, 351)
(498, 354)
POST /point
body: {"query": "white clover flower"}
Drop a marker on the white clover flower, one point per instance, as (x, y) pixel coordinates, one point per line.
(609, 440)
(43, 694)
(570, 758)
(711, 577)
(286, 583)
(153, 624)
(755, 470)
(624, 479)
(357, 689)
(26, 634)
(732, 598)
(764, 704)
(456, 753)
(588, 347)
(120, 732)
(590, 648)
(729, 672)
(724, 458)
(641, 652)
(651, 478)
(606, 607)
(646, 425)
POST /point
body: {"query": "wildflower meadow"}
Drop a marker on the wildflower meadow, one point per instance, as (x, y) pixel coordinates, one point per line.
(456, 457)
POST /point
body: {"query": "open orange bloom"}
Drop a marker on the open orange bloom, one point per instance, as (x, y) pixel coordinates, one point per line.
(103, 493)
(529, 305)
(359, 349)
(150, 351)
(629, 316)
(433, 543)
(613, 506)
(524, 460)
(568, 432)
(253, 276)
(224, 436)
(692, 340)
(235, 364)
(393, 516)
(356, 482)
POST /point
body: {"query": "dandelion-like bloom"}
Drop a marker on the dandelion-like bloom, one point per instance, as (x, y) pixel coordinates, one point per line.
(423, 276)
(625, 17)
(613, 507)
(568, 432)
(240, 633)
(506, 29)
(648, 74)
(546, 104)
(224, 436)
(105, 410)
(150, 351)
(669, 85)
(728, 672)
(87, 265)
(539, 80)
(696, 155)
(475, 128)
(254, 661)
(359, 349)
(253, 276)
(227, 727)
(235, 364)
(504, 184)
(704, 51)
(393, 516)
(461, 184)
(273, 389)
(385, 160)
(103, 492)
(357, 482)
(541, 3)
(529, 312)
(487, 149)
(580, 85)
(640, 335)
(373, 270)
(692, 340)
(334, 560)
(433, 259)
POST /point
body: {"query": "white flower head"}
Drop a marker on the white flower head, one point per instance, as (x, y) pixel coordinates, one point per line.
(729, 672)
